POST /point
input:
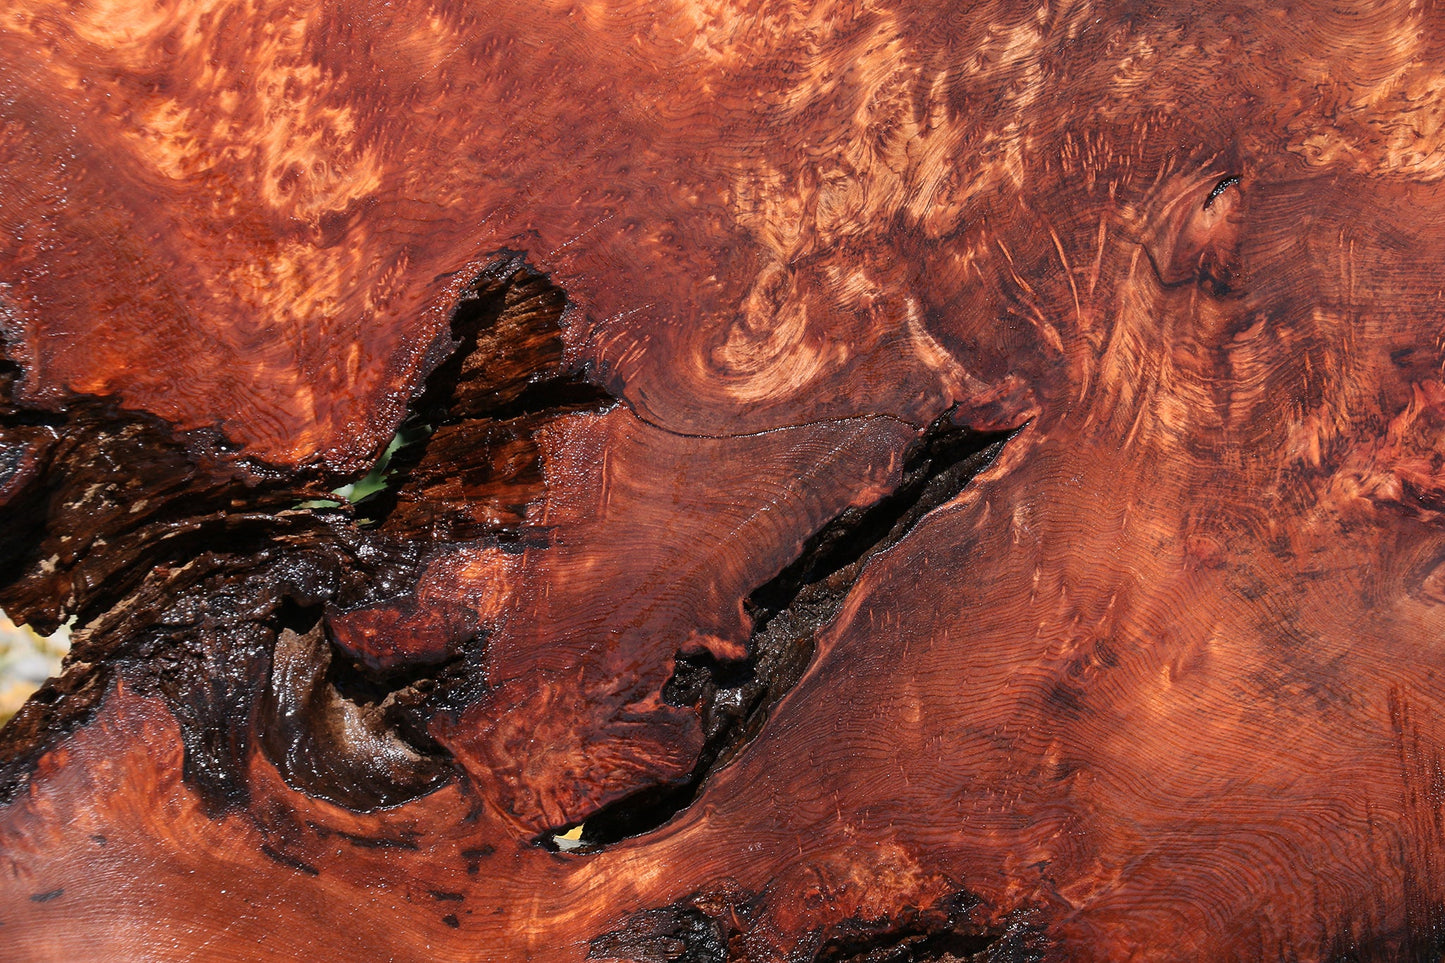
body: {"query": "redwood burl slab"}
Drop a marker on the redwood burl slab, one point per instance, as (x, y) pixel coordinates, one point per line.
(909, 481)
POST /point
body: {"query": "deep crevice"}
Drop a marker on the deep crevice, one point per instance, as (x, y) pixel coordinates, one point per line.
(505, 373)
(711, 928)
(906, 945)
(214, 565)
(736, 698)
(340, 734)
(467, 437)
(670, 934)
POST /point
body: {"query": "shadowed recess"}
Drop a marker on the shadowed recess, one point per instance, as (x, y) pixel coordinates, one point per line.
(787, 612)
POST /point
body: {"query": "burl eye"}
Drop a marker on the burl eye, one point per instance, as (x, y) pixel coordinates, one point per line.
(1194, 238)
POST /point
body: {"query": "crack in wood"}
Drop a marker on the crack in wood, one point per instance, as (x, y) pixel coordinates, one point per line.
(735, 698)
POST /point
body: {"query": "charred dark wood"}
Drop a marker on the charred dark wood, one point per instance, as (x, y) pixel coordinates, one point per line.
(675, 482)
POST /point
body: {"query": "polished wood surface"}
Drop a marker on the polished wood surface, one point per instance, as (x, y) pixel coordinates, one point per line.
(911, 481)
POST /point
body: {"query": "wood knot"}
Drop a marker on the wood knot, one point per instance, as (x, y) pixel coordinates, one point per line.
(1195, 239)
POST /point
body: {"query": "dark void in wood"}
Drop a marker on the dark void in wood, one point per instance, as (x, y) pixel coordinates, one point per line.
(663, 481)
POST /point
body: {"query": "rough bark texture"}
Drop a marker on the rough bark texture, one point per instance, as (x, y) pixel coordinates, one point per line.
(911, 481)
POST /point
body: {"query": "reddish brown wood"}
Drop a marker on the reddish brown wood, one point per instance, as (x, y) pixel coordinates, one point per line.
(910, 480)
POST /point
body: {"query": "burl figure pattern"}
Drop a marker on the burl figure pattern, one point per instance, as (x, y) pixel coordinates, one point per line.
(873, 480)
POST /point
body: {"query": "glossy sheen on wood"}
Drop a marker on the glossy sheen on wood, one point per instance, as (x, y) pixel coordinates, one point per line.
(698, 321)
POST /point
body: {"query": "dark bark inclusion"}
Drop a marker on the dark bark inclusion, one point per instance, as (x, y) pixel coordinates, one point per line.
(787, 612)
(217, 594)
(207, 579)
(704, 929)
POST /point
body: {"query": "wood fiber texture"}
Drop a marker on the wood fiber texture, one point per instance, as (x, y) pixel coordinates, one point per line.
(909, 480)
